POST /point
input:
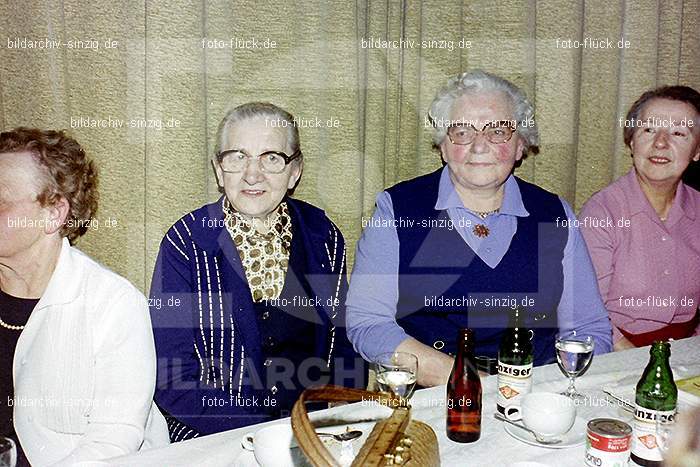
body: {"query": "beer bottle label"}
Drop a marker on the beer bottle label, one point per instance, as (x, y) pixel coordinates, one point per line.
(514, 381)
(644, 442)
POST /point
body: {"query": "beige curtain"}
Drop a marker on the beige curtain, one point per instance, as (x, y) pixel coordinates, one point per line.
(370, 102)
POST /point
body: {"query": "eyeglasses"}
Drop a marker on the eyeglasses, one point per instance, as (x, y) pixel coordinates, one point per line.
(496, 132)
(273, 162)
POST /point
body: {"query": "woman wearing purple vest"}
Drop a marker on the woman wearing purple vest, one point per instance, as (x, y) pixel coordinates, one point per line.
(462, 246)
(645, 241)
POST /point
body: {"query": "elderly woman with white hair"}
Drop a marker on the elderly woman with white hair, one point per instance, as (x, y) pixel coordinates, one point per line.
(248, 293)
(462, 246)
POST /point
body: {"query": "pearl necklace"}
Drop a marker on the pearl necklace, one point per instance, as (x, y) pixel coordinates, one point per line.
(485, 214)
(10, 326)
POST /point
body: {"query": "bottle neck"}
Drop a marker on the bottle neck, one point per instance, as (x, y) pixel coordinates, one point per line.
(660, 358)
(465, 363)
(660, 352)
(465, 345)
(516, 319)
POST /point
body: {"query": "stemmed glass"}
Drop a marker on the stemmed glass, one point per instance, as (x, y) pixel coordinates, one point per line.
(8, 453)
(574, 356)
(396, 373)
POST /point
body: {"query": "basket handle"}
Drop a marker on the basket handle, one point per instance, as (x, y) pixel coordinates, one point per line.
(304, 431)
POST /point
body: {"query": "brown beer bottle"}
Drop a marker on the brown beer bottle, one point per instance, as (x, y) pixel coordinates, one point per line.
(464, 393)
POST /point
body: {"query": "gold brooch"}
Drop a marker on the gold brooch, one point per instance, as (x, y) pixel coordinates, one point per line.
(480, 230)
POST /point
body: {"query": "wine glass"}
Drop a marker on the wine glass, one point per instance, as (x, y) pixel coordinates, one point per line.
(574, 356)
(8, 453)
(396, 373)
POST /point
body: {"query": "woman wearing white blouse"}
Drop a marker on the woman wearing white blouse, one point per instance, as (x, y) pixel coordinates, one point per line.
(77, 364)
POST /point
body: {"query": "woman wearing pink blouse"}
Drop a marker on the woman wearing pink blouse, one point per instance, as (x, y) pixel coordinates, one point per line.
(643, 230)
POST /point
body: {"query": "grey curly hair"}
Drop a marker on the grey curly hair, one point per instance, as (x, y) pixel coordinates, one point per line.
(481, 81)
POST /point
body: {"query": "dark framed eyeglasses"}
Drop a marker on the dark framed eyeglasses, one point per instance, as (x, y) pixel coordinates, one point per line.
(273, 162)
(496, 132)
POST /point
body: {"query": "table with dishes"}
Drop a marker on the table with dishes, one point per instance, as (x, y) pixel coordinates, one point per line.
(500, 444)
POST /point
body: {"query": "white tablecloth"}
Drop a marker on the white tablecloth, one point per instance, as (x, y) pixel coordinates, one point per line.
(495, 448)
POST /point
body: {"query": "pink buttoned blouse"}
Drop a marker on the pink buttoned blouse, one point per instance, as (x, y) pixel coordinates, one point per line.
(648, 270)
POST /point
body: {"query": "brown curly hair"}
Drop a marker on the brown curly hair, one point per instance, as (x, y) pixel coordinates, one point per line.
(67, 173)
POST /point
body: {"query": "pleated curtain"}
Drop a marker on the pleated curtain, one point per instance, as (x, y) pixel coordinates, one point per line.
(164, 72)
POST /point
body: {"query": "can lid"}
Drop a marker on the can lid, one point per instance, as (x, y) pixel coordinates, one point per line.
(609, 427)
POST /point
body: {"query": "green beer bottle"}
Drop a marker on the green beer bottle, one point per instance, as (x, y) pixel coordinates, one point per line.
(656, 397)
(514, 362)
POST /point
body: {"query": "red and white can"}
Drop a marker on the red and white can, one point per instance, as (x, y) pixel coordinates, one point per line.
(609, 443)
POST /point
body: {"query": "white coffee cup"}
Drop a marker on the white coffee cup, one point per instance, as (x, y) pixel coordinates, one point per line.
(545, 413)
(272, 445)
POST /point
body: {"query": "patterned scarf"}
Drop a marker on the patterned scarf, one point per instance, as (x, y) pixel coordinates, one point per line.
(265, 257)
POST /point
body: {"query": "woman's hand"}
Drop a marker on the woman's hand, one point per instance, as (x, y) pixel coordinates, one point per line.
(434, 367)
(623, 344)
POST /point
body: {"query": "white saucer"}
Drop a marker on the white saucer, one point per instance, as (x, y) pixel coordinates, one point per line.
(576, 436)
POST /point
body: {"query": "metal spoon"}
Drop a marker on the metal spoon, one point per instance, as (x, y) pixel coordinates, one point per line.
(345, 436)
(538, 437)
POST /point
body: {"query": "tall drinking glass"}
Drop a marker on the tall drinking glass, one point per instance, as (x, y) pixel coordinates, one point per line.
(396, 373)
(574, 356)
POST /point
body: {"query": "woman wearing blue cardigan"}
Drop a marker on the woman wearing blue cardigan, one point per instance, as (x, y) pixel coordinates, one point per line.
(248, 293)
